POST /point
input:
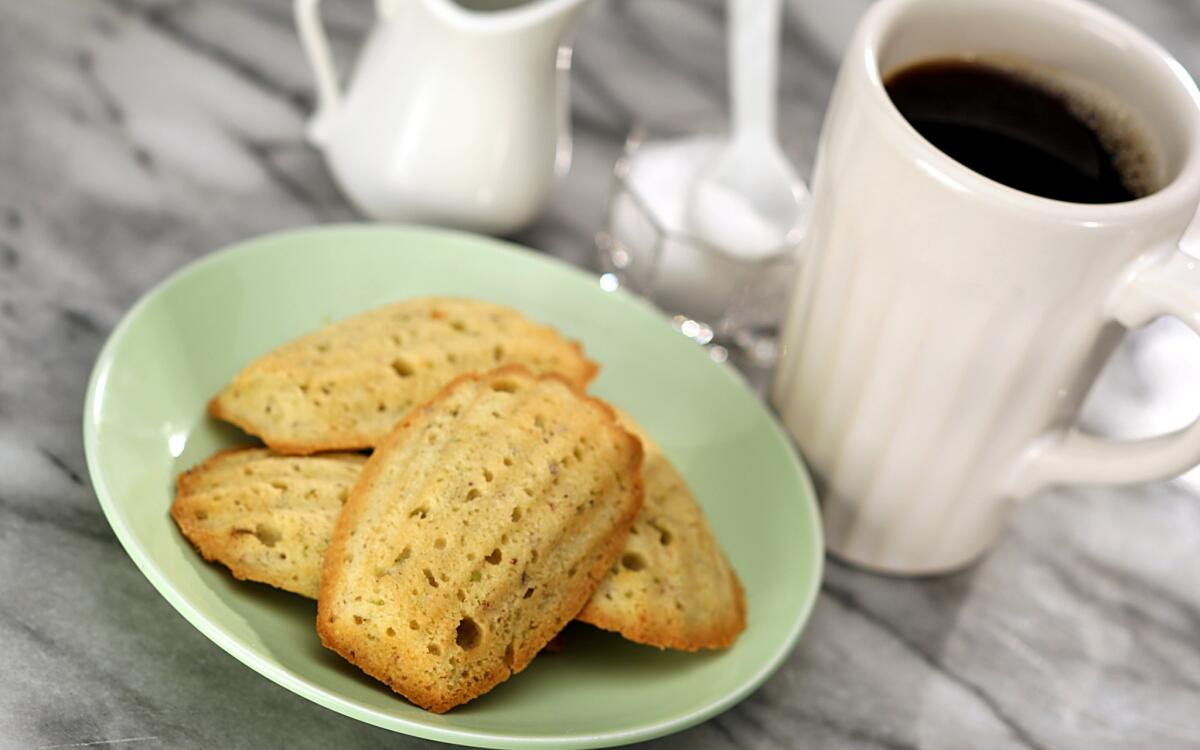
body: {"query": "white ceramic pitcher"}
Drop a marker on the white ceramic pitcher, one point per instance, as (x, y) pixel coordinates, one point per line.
(456, 113)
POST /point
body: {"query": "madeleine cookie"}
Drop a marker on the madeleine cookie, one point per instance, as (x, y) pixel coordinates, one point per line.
(265, 517)
(345, 386)
(672, 586)
(479, 527)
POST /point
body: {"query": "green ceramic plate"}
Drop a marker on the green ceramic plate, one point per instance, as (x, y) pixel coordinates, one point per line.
(144, 421)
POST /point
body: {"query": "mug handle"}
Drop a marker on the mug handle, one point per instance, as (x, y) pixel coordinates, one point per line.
(316, 50)
(1167, 286)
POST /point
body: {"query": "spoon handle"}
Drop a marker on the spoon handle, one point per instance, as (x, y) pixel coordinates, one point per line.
(753, 49)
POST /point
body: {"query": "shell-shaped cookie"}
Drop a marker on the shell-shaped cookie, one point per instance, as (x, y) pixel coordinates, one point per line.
(266, 517)
(345, 386)
(672, 586)
(478, 529)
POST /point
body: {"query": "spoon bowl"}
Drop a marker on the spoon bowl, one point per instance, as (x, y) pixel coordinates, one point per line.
(747, 202)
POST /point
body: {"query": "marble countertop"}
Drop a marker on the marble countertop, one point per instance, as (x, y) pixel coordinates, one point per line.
(137, 135)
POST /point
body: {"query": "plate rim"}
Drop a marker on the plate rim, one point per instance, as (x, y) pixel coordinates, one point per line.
(313, 692)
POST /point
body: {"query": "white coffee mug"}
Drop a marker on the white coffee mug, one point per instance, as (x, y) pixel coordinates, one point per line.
(945, 328)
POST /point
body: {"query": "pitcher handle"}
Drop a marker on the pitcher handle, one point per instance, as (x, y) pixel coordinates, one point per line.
(1167, 286)
(316, 49)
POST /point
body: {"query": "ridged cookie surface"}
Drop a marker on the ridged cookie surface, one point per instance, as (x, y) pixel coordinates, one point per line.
(345, 386)
(479, 527)
(266, 517)
(673, 586)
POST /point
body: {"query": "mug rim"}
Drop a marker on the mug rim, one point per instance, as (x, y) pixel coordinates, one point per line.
(1181, 192)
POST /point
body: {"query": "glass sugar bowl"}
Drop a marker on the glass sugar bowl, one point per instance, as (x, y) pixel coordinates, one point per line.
(728, 301)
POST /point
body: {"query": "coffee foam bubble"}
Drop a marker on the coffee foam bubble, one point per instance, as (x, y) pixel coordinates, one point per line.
(1121, 132)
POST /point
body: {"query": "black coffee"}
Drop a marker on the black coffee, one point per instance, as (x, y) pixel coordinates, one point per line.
(1017, 130)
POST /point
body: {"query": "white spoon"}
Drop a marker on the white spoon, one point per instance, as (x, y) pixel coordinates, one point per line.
(747, 201)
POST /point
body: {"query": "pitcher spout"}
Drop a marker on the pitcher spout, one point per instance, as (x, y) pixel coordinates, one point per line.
(561, 16)
(539, 22)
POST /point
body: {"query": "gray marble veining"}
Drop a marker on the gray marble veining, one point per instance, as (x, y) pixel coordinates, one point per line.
(136, 135)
